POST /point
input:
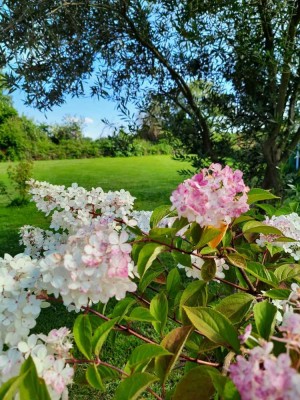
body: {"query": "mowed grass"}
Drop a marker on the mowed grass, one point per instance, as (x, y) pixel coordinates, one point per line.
(150, 179)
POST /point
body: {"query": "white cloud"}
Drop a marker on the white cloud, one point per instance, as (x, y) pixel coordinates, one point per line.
(88, 120)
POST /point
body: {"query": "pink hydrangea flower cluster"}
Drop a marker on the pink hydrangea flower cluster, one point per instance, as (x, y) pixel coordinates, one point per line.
(264, 377)
(213, 197)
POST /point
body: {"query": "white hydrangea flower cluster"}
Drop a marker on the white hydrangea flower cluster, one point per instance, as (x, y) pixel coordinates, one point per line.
(74, 207)
(49, 353)
(289, 225)
(142, 219)
(94, 265)
(19, 307)
(197, 263)
(39, 242)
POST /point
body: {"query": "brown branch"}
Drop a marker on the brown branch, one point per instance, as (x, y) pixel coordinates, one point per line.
(249, 283)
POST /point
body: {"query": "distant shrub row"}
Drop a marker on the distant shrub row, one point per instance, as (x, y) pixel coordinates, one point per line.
(83, 148)
(21, 138)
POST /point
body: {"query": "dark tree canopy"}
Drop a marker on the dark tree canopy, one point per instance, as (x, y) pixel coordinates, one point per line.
(242, 55)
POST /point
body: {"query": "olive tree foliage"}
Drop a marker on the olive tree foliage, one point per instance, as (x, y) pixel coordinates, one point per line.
(246, 52)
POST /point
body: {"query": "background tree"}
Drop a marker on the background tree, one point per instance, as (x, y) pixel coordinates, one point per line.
(248, 53)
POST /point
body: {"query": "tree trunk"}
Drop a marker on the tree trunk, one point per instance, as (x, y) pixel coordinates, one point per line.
(272, 179)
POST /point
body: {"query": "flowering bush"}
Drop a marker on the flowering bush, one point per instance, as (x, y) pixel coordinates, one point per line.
(214, 278)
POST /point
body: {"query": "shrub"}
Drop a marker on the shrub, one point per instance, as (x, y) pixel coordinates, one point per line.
(19, 175)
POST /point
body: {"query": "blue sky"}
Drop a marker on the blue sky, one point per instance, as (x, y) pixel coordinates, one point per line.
(91, 110)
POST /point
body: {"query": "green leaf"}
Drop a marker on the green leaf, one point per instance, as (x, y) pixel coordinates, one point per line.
(159, 310)
(230, 391)
(93, 377)
(174, 343)
(241, 219)
(270, 210)
(207, 250)
(259, 227)
(173, 282)
(255, 195)
(207, 236)
(197, 381)
(180, 223)
(32, 387)
(182, 258)
(278, 294)
(101, 333)
(194, 232)
(260, 271)
(227, 238)
(208, 270)
(224, 386)
(153, 272)
(237, 260)
(159, 213)
(43, 393)
(214, 325)
(141, 314)
(10, 388)
(273, 249)
(235, 306)
(147, 255)
(195, 294)
(265, 318)
(82, 332)
(122, 308)
(142, 355)
(131, 387)
(287, 272)
(136, 249)
(107, 373)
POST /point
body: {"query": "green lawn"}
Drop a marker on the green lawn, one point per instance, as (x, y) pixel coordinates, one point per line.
(150, 179)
